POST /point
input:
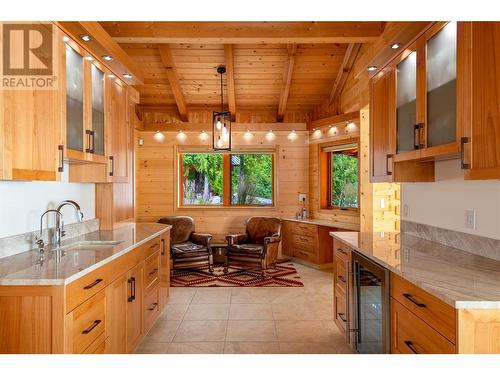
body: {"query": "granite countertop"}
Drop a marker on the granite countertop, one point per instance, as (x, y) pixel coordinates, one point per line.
(323, 222)
(461, 279)
(27, 269)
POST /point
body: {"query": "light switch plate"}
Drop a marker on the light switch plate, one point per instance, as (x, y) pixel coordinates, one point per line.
(470, 219)
(382, 203)
(302, 197)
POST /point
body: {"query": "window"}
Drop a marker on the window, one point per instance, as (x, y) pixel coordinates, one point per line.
(340, 177)
(230, 179)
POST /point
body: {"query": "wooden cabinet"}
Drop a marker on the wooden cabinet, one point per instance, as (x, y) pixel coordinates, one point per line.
(164, 268)
(480, 98)
(310, 243)
(32, 128)
(342, 286)
(109, 310)
(134, 306)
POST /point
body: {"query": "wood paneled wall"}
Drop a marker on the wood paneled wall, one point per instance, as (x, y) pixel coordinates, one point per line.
(156, 180)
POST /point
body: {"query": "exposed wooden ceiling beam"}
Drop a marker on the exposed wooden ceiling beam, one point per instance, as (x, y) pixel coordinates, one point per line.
(173, 79)
(287, 81)
(244, 32)
(345, 69)
(333, 120)
(103, 44)
(231, 95)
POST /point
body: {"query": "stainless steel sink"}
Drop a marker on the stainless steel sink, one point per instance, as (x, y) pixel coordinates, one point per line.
(89, 246)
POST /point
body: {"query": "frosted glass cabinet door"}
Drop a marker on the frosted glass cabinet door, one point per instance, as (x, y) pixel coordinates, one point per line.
(98, 109)
(406, 102)
(74, 99)
(441, 86)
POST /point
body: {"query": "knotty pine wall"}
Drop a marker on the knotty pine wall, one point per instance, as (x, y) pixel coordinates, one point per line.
(156, 180)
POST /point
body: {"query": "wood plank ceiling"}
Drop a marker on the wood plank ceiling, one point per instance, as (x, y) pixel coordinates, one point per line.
(275, 71)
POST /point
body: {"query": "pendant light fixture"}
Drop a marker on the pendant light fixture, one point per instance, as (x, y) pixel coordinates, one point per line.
(221, 121)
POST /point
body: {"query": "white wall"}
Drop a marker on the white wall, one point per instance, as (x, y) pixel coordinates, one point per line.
(443, 203)
(22, 203)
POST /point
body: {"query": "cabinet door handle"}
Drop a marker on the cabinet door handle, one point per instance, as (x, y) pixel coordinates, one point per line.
(162, 246)
(153, 306)
(90, 149)
(342, 317)
(93, 284)
(463, 141)
(60, 168)
(409, 297)
(131, 297)
(91, 328)
(112, 160)
(410, 345)
(387, 171)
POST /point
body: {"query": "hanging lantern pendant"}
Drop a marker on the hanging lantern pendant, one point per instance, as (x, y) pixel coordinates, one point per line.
(221, 121)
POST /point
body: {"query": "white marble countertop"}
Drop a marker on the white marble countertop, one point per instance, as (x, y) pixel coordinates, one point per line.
(27, 269)
(322, 222)
(461, 279)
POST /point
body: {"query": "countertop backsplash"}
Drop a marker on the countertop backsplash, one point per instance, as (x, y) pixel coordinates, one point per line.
(26, 241)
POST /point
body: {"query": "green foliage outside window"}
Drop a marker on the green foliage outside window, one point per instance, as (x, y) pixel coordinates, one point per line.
(202, 178)
(344, 180)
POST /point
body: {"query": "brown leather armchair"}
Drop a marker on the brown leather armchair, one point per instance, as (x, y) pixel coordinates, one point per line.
(188, 249)
(258, 247)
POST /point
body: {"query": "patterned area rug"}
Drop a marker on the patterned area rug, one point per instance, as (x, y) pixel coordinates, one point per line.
(285, 275)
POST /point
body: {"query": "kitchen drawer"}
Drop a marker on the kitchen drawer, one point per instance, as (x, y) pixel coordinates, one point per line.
(411, 335)
(305, 229)
(86, 323)
(151, 247)
(342, 251)
(151, 271)
(436, 313)
(305, 242)
(305, 255)
(341, 274)
(340, 310)
(151, 308)
(98, 346)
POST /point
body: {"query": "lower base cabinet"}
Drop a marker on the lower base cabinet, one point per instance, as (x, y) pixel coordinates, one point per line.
(109, 310)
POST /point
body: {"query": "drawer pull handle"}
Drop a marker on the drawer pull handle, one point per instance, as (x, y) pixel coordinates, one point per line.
(90, 286)
(153, 306)
(341, 251)
(342, 317)
(341, 278)
(88, 330)
(153, 271)
(131, 282)
(410, 345)
(154, 245)
(409, 297)
(162, 246)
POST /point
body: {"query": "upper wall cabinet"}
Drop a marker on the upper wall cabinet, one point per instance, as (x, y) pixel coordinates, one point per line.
(85, 87)
(426, 96)
(480, 99)
(32, 127)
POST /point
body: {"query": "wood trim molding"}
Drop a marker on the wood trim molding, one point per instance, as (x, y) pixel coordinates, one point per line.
(231, 95)
(332, 120)
(287, 81)
(345, 68)
(173, 79)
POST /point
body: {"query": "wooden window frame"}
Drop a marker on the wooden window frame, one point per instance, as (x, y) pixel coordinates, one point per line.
(325, 176)
(226, 180)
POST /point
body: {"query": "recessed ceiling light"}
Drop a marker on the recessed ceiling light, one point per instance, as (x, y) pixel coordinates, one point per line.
(128, 76)
(107, 57)
(395, 45)
(85, 37)
(111, 76)
(372, 68)
(89, 58)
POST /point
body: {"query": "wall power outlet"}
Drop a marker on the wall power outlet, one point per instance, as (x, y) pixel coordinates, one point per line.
(470, 219)
(302, 197)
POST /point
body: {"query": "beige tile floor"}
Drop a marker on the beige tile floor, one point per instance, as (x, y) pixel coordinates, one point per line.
(249, 320)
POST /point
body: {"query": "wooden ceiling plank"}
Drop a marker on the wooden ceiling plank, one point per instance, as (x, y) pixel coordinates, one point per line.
(287, 81)
(231, 95)
(345, 69)
(333, 120)
(244, 32)
(173, 79)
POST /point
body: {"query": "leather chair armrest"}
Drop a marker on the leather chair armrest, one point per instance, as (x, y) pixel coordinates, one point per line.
(235, 239)
(201, 239)
(272, 239)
